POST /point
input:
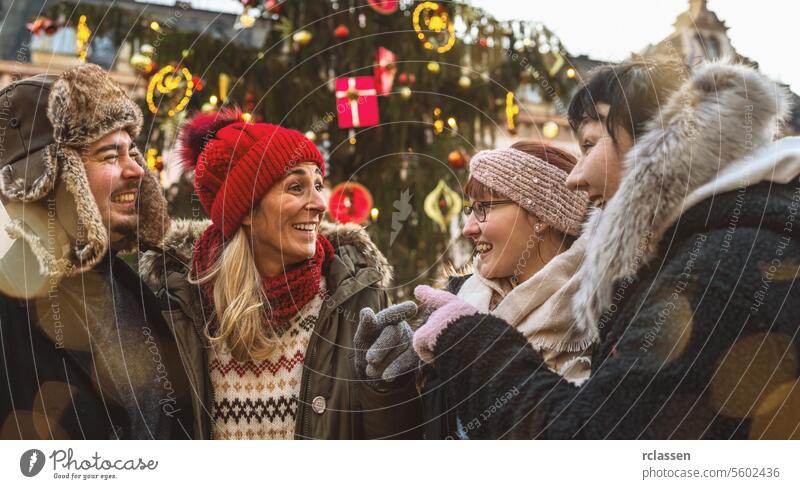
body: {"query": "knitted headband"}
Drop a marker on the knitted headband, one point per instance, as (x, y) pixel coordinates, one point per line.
(534, 184)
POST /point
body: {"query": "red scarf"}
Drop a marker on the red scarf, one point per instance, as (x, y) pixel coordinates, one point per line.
(286, 293)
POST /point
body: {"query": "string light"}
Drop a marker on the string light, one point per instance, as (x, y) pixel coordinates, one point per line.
(167, 80)
(438, 22)
(512, 110)
(153, 159)
(82, 35)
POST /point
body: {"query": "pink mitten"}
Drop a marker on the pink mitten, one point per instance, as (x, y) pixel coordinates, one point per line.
(448, 309)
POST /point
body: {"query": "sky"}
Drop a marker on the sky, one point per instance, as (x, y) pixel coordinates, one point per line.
(765, 31)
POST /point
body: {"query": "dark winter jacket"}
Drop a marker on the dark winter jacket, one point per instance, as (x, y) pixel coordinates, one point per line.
(352, 409)
(700, 335)
(84, 352)
(86, 357)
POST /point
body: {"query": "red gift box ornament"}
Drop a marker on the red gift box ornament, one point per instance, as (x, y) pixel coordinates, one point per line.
(357, 102)
(385, 69)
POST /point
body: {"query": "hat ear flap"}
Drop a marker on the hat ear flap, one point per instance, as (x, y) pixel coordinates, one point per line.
(154, 219)
(90, 236)
(57, 108)
(48, 254)
(12, 185)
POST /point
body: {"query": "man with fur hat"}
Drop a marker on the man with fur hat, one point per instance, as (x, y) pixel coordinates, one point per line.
(85, 351)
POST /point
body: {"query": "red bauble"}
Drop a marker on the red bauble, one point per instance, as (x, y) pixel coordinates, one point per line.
(51, 28)
(341, 32)
(350, 202)
(250, 101)
(150, 70)
(273, 7)
(457, 159)
(406, 78)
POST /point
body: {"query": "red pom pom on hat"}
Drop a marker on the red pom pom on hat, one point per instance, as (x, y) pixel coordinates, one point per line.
(196, 133)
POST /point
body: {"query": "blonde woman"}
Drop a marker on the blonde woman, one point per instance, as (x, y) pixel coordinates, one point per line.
(268, 296)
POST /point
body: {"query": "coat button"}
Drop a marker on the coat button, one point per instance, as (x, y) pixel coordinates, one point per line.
(319, 404)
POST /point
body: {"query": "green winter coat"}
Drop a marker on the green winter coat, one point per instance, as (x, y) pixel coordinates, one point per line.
(333, 404)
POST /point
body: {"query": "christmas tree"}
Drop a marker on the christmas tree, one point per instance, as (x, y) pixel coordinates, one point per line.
(440, 75)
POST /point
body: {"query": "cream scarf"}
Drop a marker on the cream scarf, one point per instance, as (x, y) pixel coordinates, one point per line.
(539, 308)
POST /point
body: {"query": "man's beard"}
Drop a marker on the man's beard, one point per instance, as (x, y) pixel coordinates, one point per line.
(124, 235)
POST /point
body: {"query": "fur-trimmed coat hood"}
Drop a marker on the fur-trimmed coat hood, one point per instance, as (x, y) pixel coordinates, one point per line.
(718, 117)
(356, 279)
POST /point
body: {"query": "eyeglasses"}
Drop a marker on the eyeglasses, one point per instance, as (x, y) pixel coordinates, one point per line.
(481, 208)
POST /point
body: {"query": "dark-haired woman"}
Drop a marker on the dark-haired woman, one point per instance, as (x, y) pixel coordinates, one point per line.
(690, 273)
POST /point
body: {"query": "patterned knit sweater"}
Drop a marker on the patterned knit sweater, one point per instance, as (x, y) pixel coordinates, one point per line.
(259, 400)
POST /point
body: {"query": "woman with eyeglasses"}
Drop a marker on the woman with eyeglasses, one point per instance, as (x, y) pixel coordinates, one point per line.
(524, 223)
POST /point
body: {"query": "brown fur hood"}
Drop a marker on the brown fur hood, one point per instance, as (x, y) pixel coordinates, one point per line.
(721, 113)
(176, 250)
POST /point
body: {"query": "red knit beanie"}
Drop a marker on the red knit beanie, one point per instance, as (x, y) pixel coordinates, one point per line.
(237, 162)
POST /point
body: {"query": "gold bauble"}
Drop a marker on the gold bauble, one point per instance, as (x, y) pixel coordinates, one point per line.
(302, 37)
(140, 62)
(147, 49)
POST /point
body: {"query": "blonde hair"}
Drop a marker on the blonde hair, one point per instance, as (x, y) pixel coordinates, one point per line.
(238, 302)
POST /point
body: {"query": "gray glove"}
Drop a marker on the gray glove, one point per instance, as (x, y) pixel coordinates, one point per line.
(383, 343)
